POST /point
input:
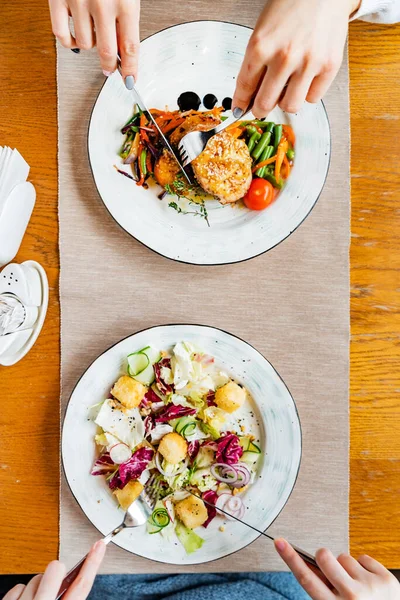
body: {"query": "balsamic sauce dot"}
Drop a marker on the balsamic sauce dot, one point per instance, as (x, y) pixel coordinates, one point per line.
(210, 101)
(227, 103)
(189, 101)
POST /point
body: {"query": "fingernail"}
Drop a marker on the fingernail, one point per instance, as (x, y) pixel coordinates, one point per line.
(237, 112)
(76, 50)
(129, 82)
(107, 73)
(280, 545)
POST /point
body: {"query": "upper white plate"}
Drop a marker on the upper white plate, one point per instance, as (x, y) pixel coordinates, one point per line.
(203, 57)
(280, 435)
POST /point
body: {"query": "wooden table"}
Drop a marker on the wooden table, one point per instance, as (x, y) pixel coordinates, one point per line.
(29, 409)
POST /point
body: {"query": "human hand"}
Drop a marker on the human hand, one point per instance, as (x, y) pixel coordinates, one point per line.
(362, 579)
(46, 586)
(298, 43)
(112, 26)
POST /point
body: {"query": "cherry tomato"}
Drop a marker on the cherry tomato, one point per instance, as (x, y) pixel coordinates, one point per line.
(260, 194)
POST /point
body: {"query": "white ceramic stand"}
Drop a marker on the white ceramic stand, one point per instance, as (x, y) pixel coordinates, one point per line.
(28, 282)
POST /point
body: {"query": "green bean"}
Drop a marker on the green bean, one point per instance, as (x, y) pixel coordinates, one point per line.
(267, 125)
(253, 140)
(277, 136)
(143, 166)
(271, 179)
(290, 154)
(251, 130)
(259, 149)
(264, 156)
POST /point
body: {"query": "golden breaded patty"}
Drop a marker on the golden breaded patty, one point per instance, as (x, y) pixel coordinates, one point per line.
(223, 169)
(193, 123)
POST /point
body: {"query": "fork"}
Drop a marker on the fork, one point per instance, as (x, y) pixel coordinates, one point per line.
(192, 144)
(136, 515)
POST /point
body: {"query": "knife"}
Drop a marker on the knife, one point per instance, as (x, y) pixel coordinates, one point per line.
(308, 558)
(143, 107)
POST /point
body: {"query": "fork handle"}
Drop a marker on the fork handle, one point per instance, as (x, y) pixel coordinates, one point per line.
(74, 572)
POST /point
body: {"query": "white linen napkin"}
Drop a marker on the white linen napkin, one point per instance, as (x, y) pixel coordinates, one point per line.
(13, 170)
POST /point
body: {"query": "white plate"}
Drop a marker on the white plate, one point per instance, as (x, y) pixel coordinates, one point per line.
(279, 431)
(203, 57)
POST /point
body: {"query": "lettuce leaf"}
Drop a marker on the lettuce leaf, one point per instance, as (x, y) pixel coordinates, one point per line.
(188, 538)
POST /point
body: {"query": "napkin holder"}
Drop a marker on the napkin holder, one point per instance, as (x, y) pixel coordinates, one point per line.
(28, 283)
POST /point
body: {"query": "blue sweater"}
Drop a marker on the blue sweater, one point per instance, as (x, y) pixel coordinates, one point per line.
(226, 586)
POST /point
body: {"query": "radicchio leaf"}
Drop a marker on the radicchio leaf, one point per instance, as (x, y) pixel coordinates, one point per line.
(193, 449)
(132, 468)
(211, 497)
(148, 399)
(148, 424)
(103, 465)
(174, 411)
(229, 449)
(165, 388)
(210, 398)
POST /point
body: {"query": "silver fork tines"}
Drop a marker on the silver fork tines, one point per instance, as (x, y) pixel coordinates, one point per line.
(192, 144)
(136, 516)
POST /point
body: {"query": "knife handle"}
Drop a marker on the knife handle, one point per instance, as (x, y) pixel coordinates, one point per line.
(306, 556)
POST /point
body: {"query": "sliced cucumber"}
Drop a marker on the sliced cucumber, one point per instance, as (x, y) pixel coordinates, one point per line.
(153, 528)
(250, 457)
(248, 445)
(137, 362)
(254, 448)
(185, 426)
(140, 364)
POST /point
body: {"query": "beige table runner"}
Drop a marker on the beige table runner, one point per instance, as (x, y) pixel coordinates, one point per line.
(291, 303)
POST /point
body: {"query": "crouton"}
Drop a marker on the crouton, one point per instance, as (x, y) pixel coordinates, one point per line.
(128, 391)
(191, 511)
(173, 447)
(230, 397)
(128, 494)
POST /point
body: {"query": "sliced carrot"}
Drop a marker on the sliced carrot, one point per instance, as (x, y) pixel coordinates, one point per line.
(173, 125)
(264, 163)
(286, 164)
(280, 154)
(235, 132)
(144, 136)
(289, 133)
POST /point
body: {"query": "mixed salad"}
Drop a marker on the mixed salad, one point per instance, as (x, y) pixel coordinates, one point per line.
(249, 161)
(173, 423)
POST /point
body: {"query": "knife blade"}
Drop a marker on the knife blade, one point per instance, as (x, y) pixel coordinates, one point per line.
(306, 556)
(164, 140)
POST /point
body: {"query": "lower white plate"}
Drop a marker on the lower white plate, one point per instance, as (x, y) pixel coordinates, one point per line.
(280, 434)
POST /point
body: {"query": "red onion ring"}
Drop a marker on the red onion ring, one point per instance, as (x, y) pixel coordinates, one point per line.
(231, 504)
(235, 475)
(224, 473)
(243, 474)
